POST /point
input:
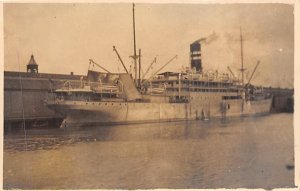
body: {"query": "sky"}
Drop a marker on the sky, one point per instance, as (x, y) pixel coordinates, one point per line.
(63, 37)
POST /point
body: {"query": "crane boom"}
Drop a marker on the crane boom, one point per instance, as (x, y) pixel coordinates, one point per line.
(163, 67)
(92, 61)
(148, 69)
(253, 71)
(231, 71)
(120, 59)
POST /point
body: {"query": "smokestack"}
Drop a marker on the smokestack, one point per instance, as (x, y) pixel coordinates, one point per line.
(195, 56)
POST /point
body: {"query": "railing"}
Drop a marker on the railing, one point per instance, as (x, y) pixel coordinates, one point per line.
(207, 77)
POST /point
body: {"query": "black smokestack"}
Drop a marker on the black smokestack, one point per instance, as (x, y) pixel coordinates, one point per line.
(195, 54)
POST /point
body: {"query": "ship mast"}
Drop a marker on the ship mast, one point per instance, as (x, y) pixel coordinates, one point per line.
(242, 69)
(134, 49)
(139, 80)
(242, 58)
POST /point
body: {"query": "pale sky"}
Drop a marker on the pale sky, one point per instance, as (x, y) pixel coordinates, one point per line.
(63, 37)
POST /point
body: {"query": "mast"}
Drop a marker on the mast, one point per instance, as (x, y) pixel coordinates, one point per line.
(134, 45)
(242, 58)
(242, 70)
(140, 68)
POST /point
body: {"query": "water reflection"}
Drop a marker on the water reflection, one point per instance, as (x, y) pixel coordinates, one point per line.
(53, 138)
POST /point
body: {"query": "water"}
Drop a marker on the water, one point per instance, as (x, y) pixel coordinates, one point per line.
(254, 152)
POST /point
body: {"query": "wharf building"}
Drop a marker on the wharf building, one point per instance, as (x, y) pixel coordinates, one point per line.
(25, 93)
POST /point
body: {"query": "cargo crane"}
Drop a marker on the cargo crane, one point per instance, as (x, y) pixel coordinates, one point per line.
(175, 57)
(114, 48)
(94, 63)
(252, 74)
(148, 69)
(250, 89)
(258, 62)
(229, 69)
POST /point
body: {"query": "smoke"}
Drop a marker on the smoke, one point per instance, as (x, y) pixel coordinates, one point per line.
(211, 38)
(207, 40)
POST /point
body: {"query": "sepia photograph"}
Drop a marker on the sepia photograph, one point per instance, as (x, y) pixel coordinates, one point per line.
(139, 95)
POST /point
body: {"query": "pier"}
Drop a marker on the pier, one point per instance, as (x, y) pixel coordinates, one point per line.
(24, 95)
(283, 99)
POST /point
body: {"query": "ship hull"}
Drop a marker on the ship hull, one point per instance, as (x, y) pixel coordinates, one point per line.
(81, 113)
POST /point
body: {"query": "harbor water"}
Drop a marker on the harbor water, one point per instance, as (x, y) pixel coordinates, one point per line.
(250, 152)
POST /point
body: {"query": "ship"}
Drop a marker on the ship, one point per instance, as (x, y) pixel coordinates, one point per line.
(192, 94)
